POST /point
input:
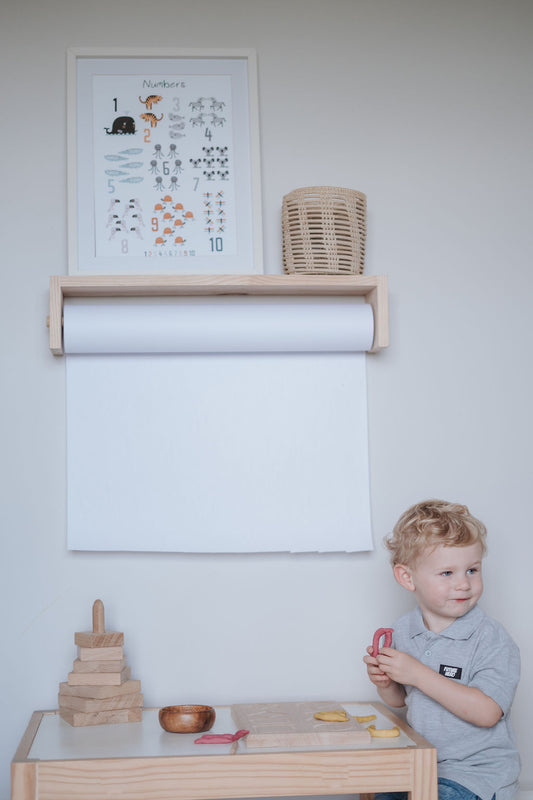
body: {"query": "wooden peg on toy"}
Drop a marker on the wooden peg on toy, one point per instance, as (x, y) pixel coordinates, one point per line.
(387, 640)
(98, 637)
(98, 617)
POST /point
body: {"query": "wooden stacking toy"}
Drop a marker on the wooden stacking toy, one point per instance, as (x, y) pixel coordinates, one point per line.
(99, 690)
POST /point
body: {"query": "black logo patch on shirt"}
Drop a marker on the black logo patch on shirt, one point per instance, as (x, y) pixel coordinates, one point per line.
(451, 672)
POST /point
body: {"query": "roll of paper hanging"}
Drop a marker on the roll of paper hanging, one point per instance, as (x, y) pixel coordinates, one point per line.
(219, 325)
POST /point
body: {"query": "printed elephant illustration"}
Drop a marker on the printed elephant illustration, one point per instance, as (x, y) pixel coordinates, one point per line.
(122, 125)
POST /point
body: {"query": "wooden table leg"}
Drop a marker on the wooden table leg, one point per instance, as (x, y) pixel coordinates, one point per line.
(23, 781)
(23, 771)
(424, 775)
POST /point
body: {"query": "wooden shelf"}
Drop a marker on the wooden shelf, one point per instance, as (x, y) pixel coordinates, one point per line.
(373, 288)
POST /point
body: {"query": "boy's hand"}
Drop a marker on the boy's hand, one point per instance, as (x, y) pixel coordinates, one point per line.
(399, 667)
(391, 692)
(375, 673)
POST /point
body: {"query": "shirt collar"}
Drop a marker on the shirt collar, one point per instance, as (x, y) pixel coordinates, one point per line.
(461, 628)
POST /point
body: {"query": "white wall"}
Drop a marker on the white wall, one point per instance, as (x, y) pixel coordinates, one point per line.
(425, 105)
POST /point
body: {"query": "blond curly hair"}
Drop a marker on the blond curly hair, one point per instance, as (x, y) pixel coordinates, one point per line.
(431, 523)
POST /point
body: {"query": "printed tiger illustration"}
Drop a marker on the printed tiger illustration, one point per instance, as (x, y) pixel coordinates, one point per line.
(152, 119)
(151, 100)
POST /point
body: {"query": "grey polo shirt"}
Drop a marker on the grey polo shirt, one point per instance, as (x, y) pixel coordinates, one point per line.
(476, 651)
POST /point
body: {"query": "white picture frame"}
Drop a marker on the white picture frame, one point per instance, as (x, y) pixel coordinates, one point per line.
(163, 162)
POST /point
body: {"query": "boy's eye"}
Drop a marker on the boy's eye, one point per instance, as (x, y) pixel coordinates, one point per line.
(446, 573)
(472, 570)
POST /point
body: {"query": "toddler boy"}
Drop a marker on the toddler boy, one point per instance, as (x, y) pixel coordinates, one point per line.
(455, 668)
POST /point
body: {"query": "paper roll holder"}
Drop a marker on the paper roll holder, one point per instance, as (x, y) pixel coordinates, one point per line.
(373, 289)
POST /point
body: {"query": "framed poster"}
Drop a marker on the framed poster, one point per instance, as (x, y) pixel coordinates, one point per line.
(163, 162)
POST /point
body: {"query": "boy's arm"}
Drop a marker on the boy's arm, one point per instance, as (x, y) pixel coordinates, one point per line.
(466, 702)
(393, 695)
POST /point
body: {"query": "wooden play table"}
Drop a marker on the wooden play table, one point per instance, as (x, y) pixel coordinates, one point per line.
(140, 761)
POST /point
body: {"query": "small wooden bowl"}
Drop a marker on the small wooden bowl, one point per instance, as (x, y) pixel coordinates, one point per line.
(187, 719)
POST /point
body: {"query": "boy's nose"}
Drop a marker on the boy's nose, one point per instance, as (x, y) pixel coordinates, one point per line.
(463, 582)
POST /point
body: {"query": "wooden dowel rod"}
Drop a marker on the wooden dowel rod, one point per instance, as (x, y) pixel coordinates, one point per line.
(98, 617)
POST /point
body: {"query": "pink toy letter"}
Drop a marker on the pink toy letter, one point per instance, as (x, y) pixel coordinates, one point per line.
(387, 641)
(220, 738)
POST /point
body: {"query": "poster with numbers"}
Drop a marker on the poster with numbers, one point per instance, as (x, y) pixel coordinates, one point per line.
(163, 163)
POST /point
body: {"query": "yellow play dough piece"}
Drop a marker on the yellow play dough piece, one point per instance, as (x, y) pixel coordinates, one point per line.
(369, 718)
(383, 733)
(332, 716)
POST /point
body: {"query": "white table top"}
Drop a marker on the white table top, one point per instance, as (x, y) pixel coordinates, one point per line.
(57, 740)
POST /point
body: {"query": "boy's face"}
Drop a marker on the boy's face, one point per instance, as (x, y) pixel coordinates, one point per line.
(447, 583)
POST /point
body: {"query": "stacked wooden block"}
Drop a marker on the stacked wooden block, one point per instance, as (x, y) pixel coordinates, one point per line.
(99, 690)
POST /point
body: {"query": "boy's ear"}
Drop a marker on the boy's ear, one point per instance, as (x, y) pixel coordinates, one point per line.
(402, 574)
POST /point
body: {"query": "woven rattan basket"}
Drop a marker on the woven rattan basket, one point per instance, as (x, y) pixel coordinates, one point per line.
(324, 231)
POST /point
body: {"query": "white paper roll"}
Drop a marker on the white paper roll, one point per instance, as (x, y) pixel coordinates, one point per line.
(218, 325)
